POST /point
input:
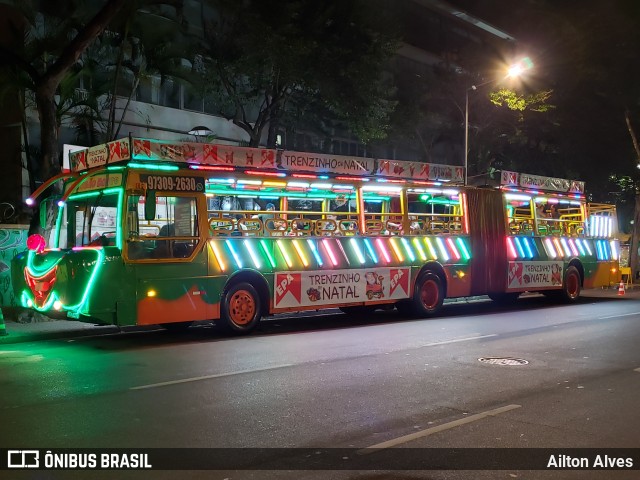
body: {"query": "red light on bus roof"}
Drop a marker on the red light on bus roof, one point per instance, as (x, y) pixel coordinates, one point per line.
(211, 168)
(266, 174)
(352, 179)
(302, 175)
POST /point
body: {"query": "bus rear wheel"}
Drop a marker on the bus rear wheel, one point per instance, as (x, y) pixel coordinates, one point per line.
(428, 296)
(240, 309)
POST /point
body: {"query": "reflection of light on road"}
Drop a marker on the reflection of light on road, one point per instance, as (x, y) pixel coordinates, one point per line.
(19, 357)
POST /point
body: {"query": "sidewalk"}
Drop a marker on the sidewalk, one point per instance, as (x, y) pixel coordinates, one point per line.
(45, 328)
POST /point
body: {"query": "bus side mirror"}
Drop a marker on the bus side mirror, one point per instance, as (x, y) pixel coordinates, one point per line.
(150, 205)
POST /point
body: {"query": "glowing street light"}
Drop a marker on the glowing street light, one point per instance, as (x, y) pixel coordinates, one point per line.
(514, 70)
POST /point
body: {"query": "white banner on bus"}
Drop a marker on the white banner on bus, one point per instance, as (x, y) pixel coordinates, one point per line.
(324, 163)
(514, 179)
(203, 154)
(296, 289)
(100, 155)
(420, 171)
(524, 275)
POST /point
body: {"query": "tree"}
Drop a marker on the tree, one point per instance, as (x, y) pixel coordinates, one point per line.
(51, 49)
(141, 44)
(263, 54)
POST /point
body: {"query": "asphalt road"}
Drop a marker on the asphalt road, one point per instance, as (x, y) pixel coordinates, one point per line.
(334, 381)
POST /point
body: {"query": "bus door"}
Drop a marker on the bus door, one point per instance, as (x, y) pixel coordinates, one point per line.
(165, 250)
(487, 228)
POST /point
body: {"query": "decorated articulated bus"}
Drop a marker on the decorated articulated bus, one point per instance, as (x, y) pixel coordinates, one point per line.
(154, 232)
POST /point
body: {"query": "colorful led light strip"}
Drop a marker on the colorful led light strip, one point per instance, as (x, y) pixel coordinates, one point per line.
(463, 248)
(285, 254)
(372, 253)
(356, 248)
(465, 215)
(443, 249)
(154, 166)
(614, 250)
(564, 243)
(332, 256)
(572, 245)
(511, 248)
(586, 245)
(300, 253)
(551, 251)
(267, 252)
(416, 243)
(234, 254)
(92, 280)
(252, 254)
(314, 252)
(344, 254)
(519, 247)
(556, 242)
(216, 253)
(396, 249)
(604, 245)
(431, 248)
(452, 247)
(383, 249)
(407, 247)
(580, 247)
(530, 246)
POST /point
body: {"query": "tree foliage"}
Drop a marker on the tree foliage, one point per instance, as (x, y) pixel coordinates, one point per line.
(262, 56)
(56, 34)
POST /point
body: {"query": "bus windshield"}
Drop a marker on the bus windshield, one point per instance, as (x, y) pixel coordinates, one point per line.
(89, 219)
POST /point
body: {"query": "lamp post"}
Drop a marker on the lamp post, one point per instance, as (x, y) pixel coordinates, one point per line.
(514, 70)
(200, 131)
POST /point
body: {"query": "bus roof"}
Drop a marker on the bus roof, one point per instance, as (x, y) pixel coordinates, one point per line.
(206, 156)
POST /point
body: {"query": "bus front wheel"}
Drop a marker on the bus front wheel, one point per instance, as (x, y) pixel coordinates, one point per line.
(240, 309)
(571, 286)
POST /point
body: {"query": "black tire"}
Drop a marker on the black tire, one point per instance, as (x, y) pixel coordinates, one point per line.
(358, 310)
(428, 296)
(505, 298)
(571, 285)
(177, 327)
(240, 308)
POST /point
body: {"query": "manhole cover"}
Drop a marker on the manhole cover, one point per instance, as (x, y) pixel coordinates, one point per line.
(503, 361)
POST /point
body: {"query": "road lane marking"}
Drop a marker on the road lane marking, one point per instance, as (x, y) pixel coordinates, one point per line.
(636, 370)
(445, 342)
(430, 431)
(616, 316)
(208, 377)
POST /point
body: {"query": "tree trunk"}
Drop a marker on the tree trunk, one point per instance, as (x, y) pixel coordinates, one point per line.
(50, 162)
(635, 235)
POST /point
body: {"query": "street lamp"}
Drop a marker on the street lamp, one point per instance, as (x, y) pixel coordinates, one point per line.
(514, 70)
(200, 131)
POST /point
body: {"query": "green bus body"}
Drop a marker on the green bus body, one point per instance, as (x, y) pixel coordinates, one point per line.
(113, 260)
